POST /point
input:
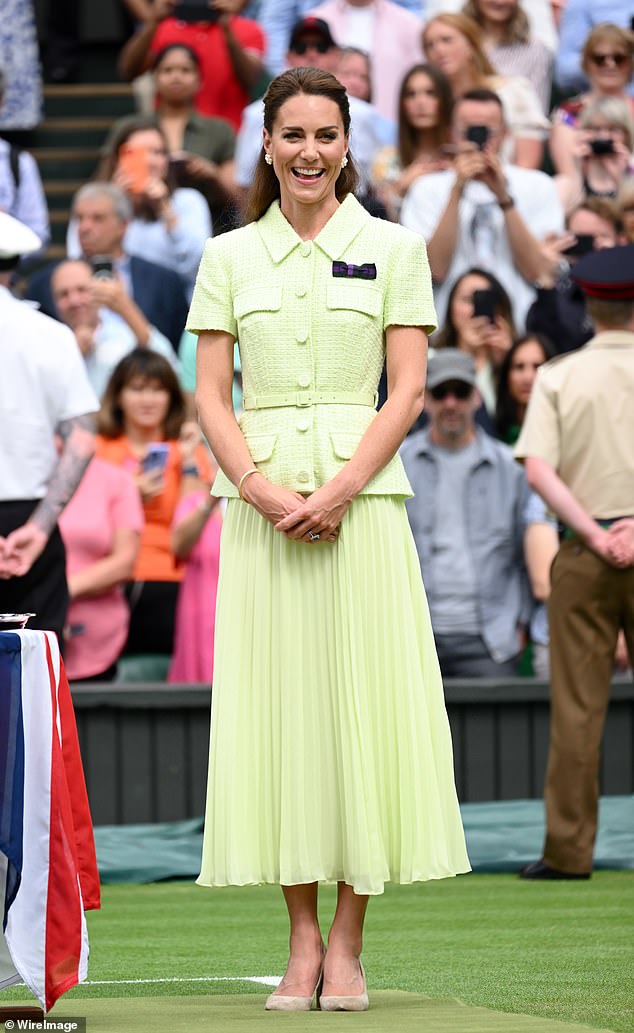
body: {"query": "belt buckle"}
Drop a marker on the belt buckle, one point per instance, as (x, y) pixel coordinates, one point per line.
(302, 399)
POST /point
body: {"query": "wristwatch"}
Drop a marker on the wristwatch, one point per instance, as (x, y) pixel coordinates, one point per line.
(190, 470)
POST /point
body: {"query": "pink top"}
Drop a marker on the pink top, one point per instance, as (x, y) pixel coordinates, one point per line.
(397, 44)
(193, 658)
(105, 501)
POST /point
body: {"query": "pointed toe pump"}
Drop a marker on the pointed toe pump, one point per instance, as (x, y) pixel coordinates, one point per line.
(356, 1002)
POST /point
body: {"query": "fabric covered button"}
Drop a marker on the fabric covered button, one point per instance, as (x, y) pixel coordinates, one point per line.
(303, 425)
(303, 476)
(302, 337)
(300, 292)
(303, 380)
(306, 249)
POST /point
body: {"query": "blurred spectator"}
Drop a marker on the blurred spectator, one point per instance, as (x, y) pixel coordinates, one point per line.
(45, 398)
(579, 19)
(559, 310)
(187, 358)
(479, 322)
(101, 528)
(201, 149)
(511, 48)
(20, 62)
(277, 18)
(312, 45)
(142, 429)
(603, 150)
(171, 225)
(483, 212)
(467, 518)
(541, 541)
(196, 542)
(230, 50)
(607, 60)
(354, 71)
(102, 213)
(21, 190)
(389, 34)
(105, 320)
(424, 133)
(540, 17)
(625, 209)
(516, 377)
(454, 43)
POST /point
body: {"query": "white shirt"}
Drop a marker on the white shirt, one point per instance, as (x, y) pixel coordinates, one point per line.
(540, 17)
(359, 28)
(113, 339)
(43, 382)
(537, 202)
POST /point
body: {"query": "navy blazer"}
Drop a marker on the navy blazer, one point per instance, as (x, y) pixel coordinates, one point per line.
(158, 292)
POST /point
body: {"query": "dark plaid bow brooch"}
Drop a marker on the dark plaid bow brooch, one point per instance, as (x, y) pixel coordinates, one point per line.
(367, 271)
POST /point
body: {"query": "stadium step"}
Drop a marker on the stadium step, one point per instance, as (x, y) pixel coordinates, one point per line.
(67, 144)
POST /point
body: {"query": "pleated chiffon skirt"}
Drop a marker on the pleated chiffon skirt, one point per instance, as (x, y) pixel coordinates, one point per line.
(330, 754)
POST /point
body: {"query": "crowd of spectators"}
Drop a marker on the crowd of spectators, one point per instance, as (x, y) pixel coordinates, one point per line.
(501, 131)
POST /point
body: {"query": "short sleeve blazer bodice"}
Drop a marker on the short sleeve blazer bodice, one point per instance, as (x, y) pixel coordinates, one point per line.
(310, 320)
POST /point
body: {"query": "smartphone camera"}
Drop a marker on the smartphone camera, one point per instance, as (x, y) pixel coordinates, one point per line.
(193, 11)
(484, 304)
(583, 245)
(102, 267)
(155, 458)
(477, 135)
(602, 145)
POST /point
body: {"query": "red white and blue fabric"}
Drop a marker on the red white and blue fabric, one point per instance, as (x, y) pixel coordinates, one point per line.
(48, 867)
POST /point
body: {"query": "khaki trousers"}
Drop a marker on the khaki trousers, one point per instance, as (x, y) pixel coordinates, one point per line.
(590, 602)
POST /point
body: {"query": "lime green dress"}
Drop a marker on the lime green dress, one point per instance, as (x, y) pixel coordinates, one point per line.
(330, 754)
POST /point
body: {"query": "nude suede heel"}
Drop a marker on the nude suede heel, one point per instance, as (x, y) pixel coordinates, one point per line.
(287, 1002)
(356, 1002)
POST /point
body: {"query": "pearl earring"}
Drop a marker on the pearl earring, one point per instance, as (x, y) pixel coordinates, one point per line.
(344, 161)
(268, 159)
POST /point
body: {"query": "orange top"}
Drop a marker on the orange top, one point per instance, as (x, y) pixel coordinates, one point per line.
(156, 561)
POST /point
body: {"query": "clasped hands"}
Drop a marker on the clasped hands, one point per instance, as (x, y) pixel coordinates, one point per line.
(616, 543)
(295, 515)
(20, 549)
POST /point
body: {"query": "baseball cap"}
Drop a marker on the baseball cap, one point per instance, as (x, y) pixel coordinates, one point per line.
(450, 364)
(313, 25)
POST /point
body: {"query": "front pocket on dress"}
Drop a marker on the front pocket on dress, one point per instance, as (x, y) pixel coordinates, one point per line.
(356, 296)
(257, 299)
(260, 446)
(344, 444)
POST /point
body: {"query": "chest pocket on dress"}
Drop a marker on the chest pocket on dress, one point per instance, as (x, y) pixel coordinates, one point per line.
(355, 297)
(254, 301)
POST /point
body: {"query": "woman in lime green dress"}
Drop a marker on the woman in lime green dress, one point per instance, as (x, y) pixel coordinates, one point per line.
(330, 755)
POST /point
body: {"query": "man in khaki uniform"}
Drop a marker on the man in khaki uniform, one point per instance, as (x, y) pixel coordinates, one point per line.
(577, 444)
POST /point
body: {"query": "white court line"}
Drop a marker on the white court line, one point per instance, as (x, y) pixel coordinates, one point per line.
(267, 980)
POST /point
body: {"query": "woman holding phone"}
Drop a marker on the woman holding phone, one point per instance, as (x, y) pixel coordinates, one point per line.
(170, 224)
(142, 428)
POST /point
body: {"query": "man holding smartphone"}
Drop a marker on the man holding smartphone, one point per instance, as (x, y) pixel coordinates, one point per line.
(230, 50)
(482, 212)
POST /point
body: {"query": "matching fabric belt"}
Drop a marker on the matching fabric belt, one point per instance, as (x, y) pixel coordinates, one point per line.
(302, 399)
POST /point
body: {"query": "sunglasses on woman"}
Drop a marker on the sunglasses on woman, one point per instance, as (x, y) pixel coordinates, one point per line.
(457, 388)
(321, 47)
(601, 60)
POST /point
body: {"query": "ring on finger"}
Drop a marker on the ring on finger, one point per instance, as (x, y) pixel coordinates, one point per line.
(314, 536)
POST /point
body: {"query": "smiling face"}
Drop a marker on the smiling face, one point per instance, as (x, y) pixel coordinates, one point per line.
(446, 47)
(307, 144)
(608, 64)
(353, 72)
(420, 102)
(70, 286)
(144, 404)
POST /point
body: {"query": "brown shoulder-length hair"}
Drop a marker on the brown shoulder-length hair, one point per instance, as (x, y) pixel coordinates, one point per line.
(149, 366)
(516, 29)
(449, 336)
(466, 26)
(407, 135)
(314, 83)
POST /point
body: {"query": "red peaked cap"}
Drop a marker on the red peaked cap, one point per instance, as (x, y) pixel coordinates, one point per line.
(607, 274)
